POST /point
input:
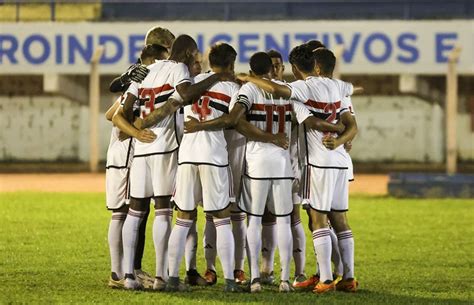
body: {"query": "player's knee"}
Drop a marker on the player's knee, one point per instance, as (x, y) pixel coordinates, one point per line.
(339, 221)
(295, 216)
(225, 213)
(268, 217)
(185, 215)
(162, 202)
(122, 209)
(140, 204)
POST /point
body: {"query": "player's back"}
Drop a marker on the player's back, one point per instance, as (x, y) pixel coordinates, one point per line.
(153, 92)
(208, 147)
(325, 100)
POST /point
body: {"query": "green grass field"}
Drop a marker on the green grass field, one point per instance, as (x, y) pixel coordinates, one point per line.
(53, 248)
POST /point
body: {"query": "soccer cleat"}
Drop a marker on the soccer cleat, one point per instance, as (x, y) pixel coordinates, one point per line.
(337, 278)
(299, 279)
(210, 276)
(347, 285)
(193, 278)
(146, 279)
(255, 286)
(174, 285)
(285, 287)
(159, 284)
(232, 286)
(239, 276)
(132, 284)
(116, 284)
(325, 287)
(267, 278)
(308, 284)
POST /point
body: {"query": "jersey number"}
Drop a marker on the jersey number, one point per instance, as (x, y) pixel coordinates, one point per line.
(332, 110)
(201, 108)
(269, 109)
(149, 96)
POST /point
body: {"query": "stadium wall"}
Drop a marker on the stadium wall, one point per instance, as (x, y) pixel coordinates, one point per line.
(52, 128)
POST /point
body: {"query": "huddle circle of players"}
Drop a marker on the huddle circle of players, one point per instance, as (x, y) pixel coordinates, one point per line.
(250, 148)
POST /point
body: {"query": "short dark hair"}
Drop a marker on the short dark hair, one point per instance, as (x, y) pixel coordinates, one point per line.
(315, 44)
(275, 54)
(222, 55)
(154, 51)
(326, 60)
(302, 57)
(182, 44)
(260, 63)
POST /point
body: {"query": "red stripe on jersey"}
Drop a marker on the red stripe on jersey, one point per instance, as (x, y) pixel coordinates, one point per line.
(217, 95)
(261, 107)
(321, 105)
(157, 90)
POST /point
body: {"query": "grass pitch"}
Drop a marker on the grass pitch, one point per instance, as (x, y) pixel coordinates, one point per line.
(53, 248)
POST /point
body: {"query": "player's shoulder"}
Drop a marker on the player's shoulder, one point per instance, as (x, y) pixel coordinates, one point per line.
(202, 76)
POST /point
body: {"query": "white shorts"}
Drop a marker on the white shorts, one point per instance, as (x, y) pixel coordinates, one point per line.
(296, 190)
(116, 187)
(326, 189)
(275, 194)
(154, 175)
(196, 182)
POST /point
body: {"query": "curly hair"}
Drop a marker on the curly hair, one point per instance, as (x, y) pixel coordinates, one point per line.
(303, 58)
(222, 55)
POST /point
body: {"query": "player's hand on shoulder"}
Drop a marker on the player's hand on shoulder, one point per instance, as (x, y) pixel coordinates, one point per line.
(281, 140)
(330, 142)
(243, 77)
(146, 136)
(191, 125)
(348, 146)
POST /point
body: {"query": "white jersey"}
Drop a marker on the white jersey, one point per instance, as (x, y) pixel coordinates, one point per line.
(348, 156)
(152, 93)
(324, 97)
(266, 160)
(208, 147)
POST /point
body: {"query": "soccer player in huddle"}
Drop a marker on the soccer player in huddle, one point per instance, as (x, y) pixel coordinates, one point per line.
(325, 178)
(153, 170)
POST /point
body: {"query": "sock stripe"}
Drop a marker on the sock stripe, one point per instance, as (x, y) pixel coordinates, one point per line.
(119, 217)
(344, 235)
(139, 214)
(321, 233)
(237, 217)
(221, 222)
(184, 223)
(297, 222)
(209, 217)
(164, 212)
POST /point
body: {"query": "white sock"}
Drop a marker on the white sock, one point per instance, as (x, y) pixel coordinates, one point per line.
(225, 246)
(177, 244)
(161, 235)
(191, 247)
(285, 245)
(254, 245)
(129, 238)
(346, 246)
(239, 230)
(268, 246)
(209, 242)
(299, 246)
(115, 242)
(336, 254)
(322, 247)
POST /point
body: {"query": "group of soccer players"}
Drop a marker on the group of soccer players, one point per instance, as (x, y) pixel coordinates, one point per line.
(250, 148)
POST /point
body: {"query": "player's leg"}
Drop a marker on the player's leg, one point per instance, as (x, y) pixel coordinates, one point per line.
(210, 252)
(116, 247)
(193, 277)
(299, 245)
(239, 230)
(281, 205)
(336, 256)
(269, 244)
(143, 276)
(216, 200)
(187, 183)
(161, 234)
(140, 192)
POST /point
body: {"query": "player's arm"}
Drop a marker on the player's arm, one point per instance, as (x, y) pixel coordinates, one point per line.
(225, 121)
(190, 92)
(136, 73)
(318, 124)
(109, 114)
(159, 114)
(349, 133)
(275, 89)
(253, 133)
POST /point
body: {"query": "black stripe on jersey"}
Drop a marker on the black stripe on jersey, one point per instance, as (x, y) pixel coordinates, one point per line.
(269, 178)
(327, 167)
(245, 105)
(263, 117)
(202, 163)
(219, 107)
(323, 116)
(256, 215)
(156, 153)
(158, 99)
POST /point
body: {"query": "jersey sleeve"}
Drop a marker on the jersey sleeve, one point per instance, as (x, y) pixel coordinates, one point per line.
(298, 91)
(346, 89)
(301, 112)
(233, 97)
(246, 96)
(346, 105)
(180, 75)
(132, 89)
